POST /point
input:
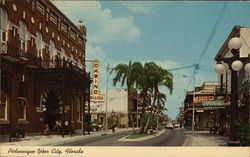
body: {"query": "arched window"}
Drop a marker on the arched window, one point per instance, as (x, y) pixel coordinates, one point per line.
(62, 53)
(39, 43)
(3, 29)
(52, 49)
(23, 35)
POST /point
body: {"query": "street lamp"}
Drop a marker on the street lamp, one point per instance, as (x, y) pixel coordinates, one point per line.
(236, 64)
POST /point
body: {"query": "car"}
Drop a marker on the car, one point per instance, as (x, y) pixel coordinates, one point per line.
(177, 125)
(169, 126)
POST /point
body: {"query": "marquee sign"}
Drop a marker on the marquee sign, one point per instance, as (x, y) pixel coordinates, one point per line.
(199, 99)
(96, 96)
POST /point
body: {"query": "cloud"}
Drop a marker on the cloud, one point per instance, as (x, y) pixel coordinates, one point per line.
(95, 53)
(102, 26)
(139, 7)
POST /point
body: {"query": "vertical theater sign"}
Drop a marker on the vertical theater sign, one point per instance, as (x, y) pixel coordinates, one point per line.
(96, 96)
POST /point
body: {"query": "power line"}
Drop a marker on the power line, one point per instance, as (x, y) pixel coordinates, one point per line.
(189, 66)
(217, 23)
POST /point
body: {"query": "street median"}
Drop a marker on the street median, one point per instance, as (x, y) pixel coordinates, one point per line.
(141, 137)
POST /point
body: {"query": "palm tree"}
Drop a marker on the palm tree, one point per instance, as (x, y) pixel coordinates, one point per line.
(145, 75)
(149, 78)
(125, 75)
(162, 78)
(160, 103)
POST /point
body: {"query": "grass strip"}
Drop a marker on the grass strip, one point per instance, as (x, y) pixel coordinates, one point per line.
(134, 136)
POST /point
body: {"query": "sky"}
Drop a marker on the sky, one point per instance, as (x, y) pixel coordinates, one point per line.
(173, 34)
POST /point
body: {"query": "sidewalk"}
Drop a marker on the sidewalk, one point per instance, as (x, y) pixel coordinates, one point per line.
(50, 140)
(204, 138)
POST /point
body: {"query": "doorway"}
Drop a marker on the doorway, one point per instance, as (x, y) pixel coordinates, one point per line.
(52, 113)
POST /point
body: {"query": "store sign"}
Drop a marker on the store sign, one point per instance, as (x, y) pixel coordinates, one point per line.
(199, 99)
(213, 103)
(95, 88)
(199, 110)
(96, 96)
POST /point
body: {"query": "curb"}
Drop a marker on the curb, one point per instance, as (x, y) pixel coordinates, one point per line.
(57, 140)
(85, 137)
(143, 138)
(188, 141)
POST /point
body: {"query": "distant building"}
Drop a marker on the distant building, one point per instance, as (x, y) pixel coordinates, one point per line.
(43, 76)
(210, 110)
(117, 107)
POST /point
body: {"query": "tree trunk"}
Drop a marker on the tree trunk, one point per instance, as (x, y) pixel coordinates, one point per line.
(144, 95)
(131, 119)
(145, 129)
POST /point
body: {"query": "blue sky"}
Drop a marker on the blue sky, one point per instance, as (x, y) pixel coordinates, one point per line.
(172, 34)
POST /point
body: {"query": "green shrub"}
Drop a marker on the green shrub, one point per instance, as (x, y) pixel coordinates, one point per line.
(243, 133)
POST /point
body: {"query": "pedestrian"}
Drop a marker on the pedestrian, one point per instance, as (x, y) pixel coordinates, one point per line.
(113, 128)
(46, 129)
(57, 126)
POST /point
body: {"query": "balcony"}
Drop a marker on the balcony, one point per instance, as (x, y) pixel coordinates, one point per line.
(3, 47)
(220, 91)
(14, 54)
(58, 63)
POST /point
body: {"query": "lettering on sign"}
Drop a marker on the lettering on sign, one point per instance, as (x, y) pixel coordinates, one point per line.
(213, 103)
(95, 88)
(199, 99)
(95, 93)
(97, 98)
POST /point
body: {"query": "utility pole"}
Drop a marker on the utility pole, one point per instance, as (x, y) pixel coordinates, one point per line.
(196, 68)
(137, 110)
(107, 70)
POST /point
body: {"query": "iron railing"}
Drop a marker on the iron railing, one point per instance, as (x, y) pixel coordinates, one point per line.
(32, 60)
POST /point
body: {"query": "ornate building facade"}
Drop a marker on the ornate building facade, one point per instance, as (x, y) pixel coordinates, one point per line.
(43, 77)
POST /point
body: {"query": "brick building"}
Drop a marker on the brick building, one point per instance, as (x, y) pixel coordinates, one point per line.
(43, 76)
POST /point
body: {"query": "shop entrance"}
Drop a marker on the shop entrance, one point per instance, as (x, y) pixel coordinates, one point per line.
(52, 113)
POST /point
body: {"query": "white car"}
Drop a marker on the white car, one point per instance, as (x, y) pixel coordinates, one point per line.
(169, 126)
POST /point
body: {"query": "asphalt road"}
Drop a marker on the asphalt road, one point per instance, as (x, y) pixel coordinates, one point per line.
(175, 137)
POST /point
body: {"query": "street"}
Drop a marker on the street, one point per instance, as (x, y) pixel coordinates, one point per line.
(175, 137)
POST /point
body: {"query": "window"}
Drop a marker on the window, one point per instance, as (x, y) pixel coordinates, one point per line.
(3, 25)
(73, 35)
(78, 105)
(53, 18)
(22, 102)
(14, 29)
(3, 106)
(72, 110)
(23, 35)
(63, 28)
(40, 8)
(46, 49)
(39, 41)
(32, 39)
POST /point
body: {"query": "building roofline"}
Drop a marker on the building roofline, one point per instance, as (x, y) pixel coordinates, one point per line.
(63, 16)
(224, 48)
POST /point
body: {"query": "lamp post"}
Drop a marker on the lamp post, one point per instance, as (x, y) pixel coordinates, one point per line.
(235, 64)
